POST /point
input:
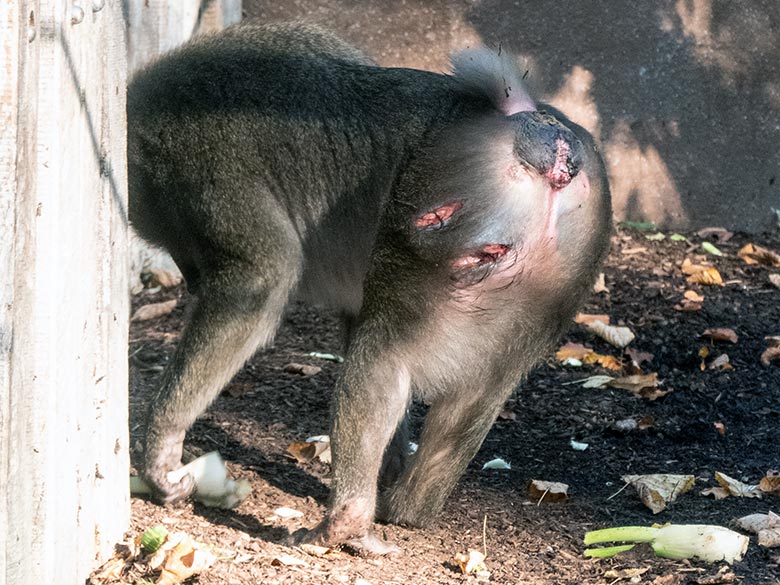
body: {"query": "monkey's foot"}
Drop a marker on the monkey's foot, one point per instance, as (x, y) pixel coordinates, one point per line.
(368, 544)
(350, 525)
(161, 457)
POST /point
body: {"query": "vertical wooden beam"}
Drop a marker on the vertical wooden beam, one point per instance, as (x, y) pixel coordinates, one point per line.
(63, 321)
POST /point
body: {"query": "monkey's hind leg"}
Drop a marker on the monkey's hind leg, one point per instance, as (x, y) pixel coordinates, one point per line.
(452, 434)
(238, 310)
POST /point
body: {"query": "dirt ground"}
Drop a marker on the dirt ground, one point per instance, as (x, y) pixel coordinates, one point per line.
(724, 420)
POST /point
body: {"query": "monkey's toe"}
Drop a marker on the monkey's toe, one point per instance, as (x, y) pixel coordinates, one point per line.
(323, 535)
(169, 493)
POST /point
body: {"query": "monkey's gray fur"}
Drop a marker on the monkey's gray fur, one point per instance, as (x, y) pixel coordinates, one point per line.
(456, 224)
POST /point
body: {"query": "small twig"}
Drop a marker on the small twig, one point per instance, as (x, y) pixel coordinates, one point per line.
(625, 485)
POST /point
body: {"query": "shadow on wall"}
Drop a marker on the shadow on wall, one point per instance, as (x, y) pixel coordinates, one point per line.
(683, 94)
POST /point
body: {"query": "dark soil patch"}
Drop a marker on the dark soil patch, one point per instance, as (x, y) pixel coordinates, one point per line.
(265, 409)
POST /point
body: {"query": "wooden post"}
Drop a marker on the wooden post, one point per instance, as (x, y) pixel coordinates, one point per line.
(64, 464)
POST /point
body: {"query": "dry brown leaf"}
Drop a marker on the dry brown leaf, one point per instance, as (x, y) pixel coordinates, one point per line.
(659, 489)
(769, 355)
(305, 451)
(606, 361)
(638, 357)
(707, 276)
(548, 491)
(770, 483)
(753, 254)
(689, 268)
(109, 572)
(507, 414)
(472, 562)
(736, 487)
(183, 558)
(305, 370)
(693, 296)
(617, 336)
(721, 334)
(645, 422)
(575, 351)
(587, 319)
(775, 280)
(766, 526)
(153, 310)
(720, 493)
(635, 383)
(721, 363)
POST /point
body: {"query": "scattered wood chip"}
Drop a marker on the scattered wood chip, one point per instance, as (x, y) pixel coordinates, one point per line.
(316, 550)
(617, 336)
(586, 319)
(287, 513)
(719, 234)
(692, 295)
(601, 285)
(632, 575)
(687, 306)
(632, 251)
(721, 334)
(153, 310)
(282, 559)
(548, 491)
(769, 355)
(753, 254)
(659, 489)
(507, 414)
(305, 370)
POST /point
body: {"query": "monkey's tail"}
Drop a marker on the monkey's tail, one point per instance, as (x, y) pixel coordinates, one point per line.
(495, 75)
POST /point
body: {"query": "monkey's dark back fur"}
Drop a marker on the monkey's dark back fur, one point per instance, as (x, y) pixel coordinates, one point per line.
(290, 111)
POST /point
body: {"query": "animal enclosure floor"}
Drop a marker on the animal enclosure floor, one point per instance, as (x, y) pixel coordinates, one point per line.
(725, 420)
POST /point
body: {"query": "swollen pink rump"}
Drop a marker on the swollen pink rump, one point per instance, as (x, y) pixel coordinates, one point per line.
(559, 174)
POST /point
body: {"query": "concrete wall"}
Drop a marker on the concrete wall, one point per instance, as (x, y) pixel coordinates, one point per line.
(684, 95)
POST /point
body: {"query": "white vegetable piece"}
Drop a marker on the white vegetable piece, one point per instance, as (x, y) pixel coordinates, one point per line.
(213, 486)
